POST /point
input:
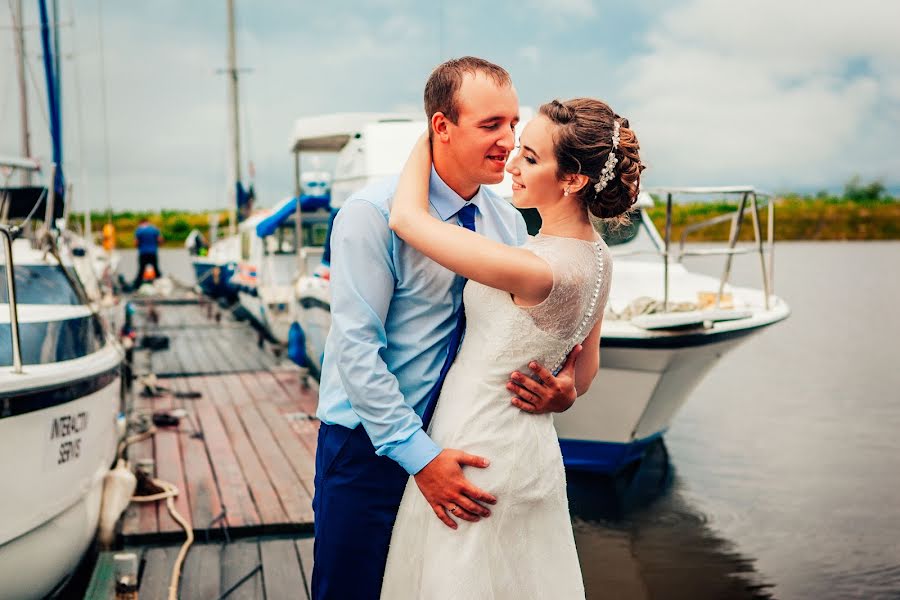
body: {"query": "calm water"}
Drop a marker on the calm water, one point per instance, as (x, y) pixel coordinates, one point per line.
(783, 465)
(779, 478)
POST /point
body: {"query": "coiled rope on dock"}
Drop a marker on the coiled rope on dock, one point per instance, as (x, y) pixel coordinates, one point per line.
(168, 494)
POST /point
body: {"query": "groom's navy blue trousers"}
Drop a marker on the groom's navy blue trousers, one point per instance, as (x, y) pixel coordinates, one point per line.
(356, 501)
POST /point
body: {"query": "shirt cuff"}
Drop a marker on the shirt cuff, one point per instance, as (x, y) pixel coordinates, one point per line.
(415, 453)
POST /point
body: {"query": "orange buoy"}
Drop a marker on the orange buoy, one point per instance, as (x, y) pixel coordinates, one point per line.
(149, 273)
(109, 236)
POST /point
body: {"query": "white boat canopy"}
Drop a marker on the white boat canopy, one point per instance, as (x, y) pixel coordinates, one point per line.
(330, 133)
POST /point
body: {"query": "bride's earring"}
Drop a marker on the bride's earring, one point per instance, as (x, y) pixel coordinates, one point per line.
(566, 192)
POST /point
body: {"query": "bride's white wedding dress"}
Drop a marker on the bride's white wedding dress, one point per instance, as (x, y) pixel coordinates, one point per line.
(526, 548)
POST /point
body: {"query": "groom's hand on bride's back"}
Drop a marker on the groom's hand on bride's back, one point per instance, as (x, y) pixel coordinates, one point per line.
(550, 393)
(448, 491)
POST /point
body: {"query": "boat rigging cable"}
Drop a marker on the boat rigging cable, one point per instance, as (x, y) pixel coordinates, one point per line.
(28, 67)
(103, 110)
(79, 112)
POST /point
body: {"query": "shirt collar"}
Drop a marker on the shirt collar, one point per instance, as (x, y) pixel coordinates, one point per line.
(444, 200)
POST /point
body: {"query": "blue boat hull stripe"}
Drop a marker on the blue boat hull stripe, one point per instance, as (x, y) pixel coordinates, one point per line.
(680, 341)
(15, 404)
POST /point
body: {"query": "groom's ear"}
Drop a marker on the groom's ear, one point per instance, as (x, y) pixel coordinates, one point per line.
(440, 129)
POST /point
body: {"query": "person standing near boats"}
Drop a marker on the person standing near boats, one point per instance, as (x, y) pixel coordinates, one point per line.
(396, 327)
(147, 238)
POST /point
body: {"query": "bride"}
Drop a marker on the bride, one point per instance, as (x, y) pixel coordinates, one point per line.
(576, 158)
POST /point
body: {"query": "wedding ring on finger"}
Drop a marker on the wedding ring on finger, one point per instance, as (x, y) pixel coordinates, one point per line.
(452, 508)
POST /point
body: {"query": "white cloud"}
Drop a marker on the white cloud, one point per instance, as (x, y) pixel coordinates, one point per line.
(717, 93)
(567, 8)
(531, 54)
(766, 93)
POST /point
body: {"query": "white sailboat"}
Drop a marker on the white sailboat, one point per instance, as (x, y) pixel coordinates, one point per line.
(654, 351)
(60, 379)
(60, 395)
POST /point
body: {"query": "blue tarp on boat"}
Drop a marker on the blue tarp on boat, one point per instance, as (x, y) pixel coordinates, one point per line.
(307, 204)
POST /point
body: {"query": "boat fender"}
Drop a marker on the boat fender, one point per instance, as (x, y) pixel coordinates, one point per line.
(297, 345)
(118, 487)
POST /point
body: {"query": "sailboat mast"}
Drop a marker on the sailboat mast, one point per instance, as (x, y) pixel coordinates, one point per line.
(25, 138)
(235, 121)
(57, 57)
(52, 89)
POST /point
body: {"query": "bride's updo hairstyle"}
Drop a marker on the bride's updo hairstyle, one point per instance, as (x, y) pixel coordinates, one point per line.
(584, 139)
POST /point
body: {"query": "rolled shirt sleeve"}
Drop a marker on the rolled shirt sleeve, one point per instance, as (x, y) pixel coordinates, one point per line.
(362, 280)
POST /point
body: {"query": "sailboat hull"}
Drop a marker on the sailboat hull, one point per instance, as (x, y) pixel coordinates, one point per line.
(56, 458)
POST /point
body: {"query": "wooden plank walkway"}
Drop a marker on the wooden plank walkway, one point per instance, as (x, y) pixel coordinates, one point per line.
(262, 568)
(243, 458)
(203, 339)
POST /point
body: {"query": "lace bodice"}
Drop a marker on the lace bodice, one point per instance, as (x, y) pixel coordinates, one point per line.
(498, 328)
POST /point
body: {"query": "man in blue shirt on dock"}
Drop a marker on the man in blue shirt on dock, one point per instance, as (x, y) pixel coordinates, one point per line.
(395, 330)
(147, 238)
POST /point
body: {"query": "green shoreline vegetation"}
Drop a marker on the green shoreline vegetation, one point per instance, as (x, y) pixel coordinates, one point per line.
(862, 212)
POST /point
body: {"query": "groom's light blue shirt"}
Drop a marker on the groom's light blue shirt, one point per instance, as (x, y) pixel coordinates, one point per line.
(393, 311)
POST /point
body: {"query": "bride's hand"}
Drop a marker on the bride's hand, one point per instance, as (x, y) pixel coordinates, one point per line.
(551, 393)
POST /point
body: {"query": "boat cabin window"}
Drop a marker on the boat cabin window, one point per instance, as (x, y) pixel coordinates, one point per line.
(283, 241)
(45, 342)
(315, 231)
(614, 236)
(40, 284)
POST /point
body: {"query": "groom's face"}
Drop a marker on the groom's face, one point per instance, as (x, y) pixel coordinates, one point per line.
(484, 135)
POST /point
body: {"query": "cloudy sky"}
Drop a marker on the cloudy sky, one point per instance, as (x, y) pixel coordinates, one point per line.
(786, 95)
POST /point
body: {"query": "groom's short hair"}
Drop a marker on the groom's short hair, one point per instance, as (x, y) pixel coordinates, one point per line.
(446, 79)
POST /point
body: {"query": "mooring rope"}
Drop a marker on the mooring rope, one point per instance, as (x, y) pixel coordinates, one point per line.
(168, 494)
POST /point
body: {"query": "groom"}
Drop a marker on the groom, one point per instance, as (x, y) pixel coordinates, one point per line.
(395, 330)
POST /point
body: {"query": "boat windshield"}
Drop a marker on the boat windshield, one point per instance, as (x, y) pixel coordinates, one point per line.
(613, 236)
(40, 284)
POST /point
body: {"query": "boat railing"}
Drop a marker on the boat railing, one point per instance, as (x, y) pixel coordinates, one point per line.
(9, 233)
(750, 198)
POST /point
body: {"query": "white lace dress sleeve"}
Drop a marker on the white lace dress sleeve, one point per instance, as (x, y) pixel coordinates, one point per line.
(581, 274)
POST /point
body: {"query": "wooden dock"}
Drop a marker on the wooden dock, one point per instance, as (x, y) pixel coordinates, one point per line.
(271, 568)
(243, 459)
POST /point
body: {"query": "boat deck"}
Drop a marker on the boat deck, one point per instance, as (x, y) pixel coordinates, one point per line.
(243, 459)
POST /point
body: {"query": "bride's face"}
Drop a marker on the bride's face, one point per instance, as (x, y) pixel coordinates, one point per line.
(533, 167)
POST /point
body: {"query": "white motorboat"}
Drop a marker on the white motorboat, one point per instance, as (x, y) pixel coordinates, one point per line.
(60, 374)
(664, 329)
(368, 146)
(60, 397)
(265, 274)
(665, 326)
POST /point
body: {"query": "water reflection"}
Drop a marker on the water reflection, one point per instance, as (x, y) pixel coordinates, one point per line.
(638, 538)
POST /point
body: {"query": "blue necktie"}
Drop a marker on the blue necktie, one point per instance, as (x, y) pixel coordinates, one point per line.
(467, 219)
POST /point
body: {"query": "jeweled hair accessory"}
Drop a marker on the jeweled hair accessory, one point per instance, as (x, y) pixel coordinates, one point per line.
(609, 169)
